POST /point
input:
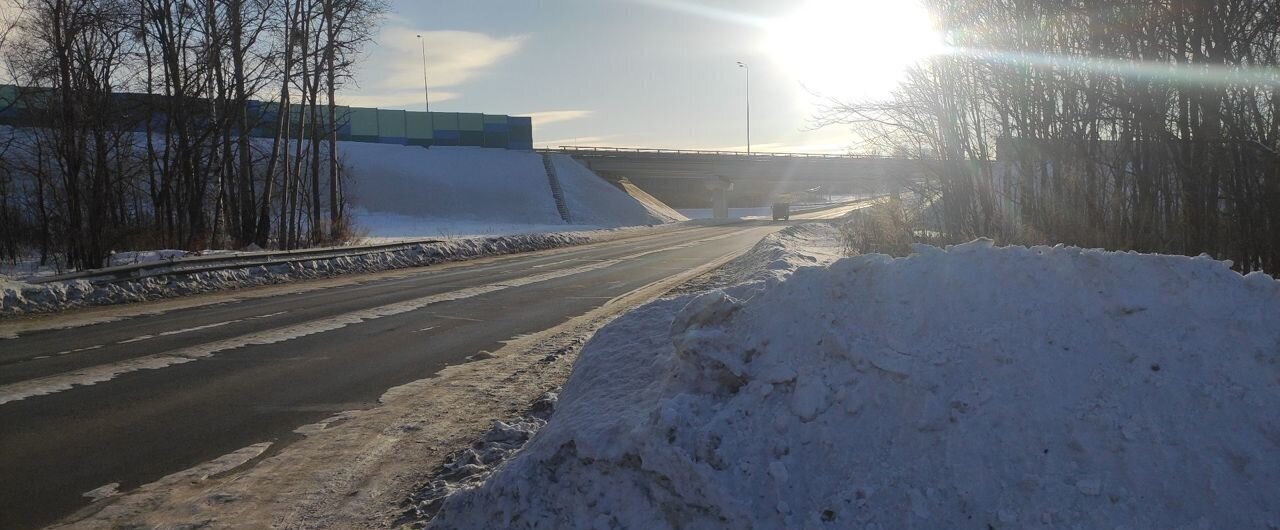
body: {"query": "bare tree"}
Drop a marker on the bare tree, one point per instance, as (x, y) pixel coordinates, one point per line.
(141, 116)
(1120, 124)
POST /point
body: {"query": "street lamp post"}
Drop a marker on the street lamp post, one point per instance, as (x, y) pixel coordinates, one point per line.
(426, 92)
(748, 78)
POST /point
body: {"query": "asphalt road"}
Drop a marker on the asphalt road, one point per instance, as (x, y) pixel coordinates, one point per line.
(841, 211)
(133, 400)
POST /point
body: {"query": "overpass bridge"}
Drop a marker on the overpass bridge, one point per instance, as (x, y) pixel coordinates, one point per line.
(698, 179)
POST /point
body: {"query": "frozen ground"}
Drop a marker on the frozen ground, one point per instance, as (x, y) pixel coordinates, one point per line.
(968, 387)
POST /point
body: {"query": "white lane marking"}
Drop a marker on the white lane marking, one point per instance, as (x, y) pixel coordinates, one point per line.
(199, 328)
(78, 350)
(426, 329)
(276, 314)
(141, 338)
(106, 372)
(447, 317)
(554, 263)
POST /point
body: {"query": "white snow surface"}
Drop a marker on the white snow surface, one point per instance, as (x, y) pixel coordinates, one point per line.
(398, 189)
(971, 387)
(458, 183)
(593, 201)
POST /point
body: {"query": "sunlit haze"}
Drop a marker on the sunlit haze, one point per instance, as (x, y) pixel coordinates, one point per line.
(852, 48)
(647, 73)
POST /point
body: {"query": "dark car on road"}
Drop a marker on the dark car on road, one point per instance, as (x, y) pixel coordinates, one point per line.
(781, 211)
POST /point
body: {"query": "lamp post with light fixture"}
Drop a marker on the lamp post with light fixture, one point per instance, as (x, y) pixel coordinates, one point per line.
(426, 92)
(748, 78)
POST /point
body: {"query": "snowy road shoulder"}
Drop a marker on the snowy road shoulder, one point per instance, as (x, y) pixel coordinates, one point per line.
(1010, 387)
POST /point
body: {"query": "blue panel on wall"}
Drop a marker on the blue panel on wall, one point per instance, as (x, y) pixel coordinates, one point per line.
(446, 137)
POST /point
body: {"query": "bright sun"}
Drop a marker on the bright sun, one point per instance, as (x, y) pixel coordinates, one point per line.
(853, 48)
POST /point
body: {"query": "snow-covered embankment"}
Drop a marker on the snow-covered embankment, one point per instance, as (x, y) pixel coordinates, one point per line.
(406, 191)
(973, 387)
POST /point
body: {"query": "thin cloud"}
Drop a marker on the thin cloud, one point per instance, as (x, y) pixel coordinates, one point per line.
(723, 15)
(395, 100)
(556, 116)
(394, 70)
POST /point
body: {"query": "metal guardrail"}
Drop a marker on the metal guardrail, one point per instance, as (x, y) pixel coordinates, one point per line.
(569, 149)
(217, 262)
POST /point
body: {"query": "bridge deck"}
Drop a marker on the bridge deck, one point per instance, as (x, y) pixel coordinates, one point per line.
(591, 151)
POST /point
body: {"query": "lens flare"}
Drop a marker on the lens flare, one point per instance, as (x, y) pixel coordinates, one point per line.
(853, 48)
(1158, 72)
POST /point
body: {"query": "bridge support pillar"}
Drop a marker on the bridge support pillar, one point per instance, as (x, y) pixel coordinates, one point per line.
(720, 188)
(720, 204)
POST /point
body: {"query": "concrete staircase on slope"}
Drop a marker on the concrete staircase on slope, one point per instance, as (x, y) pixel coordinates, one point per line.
(556, 190)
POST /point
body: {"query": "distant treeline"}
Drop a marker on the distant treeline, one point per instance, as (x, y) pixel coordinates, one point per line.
(1124, 124)
(84, 183)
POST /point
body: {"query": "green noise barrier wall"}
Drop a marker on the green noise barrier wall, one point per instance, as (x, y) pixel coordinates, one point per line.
(436, 128)
(354, 124)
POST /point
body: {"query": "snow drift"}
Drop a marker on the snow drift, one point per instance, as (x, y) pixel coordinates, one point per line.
(973, 387)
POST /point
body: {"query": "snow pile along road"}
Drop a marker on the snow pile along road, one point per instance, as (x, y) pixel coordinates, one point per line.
(18, 298)
(777, 256)
(975, 387)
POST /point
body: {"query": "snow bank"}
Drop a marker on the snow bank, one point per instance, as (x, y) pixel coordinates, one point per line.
(593, 201)
(18, 298)
(778, 255)
(389, 227)
(973, 387)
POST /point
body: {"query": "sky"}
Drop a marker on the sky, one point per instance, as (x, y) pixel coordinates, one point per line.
(645, 73)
